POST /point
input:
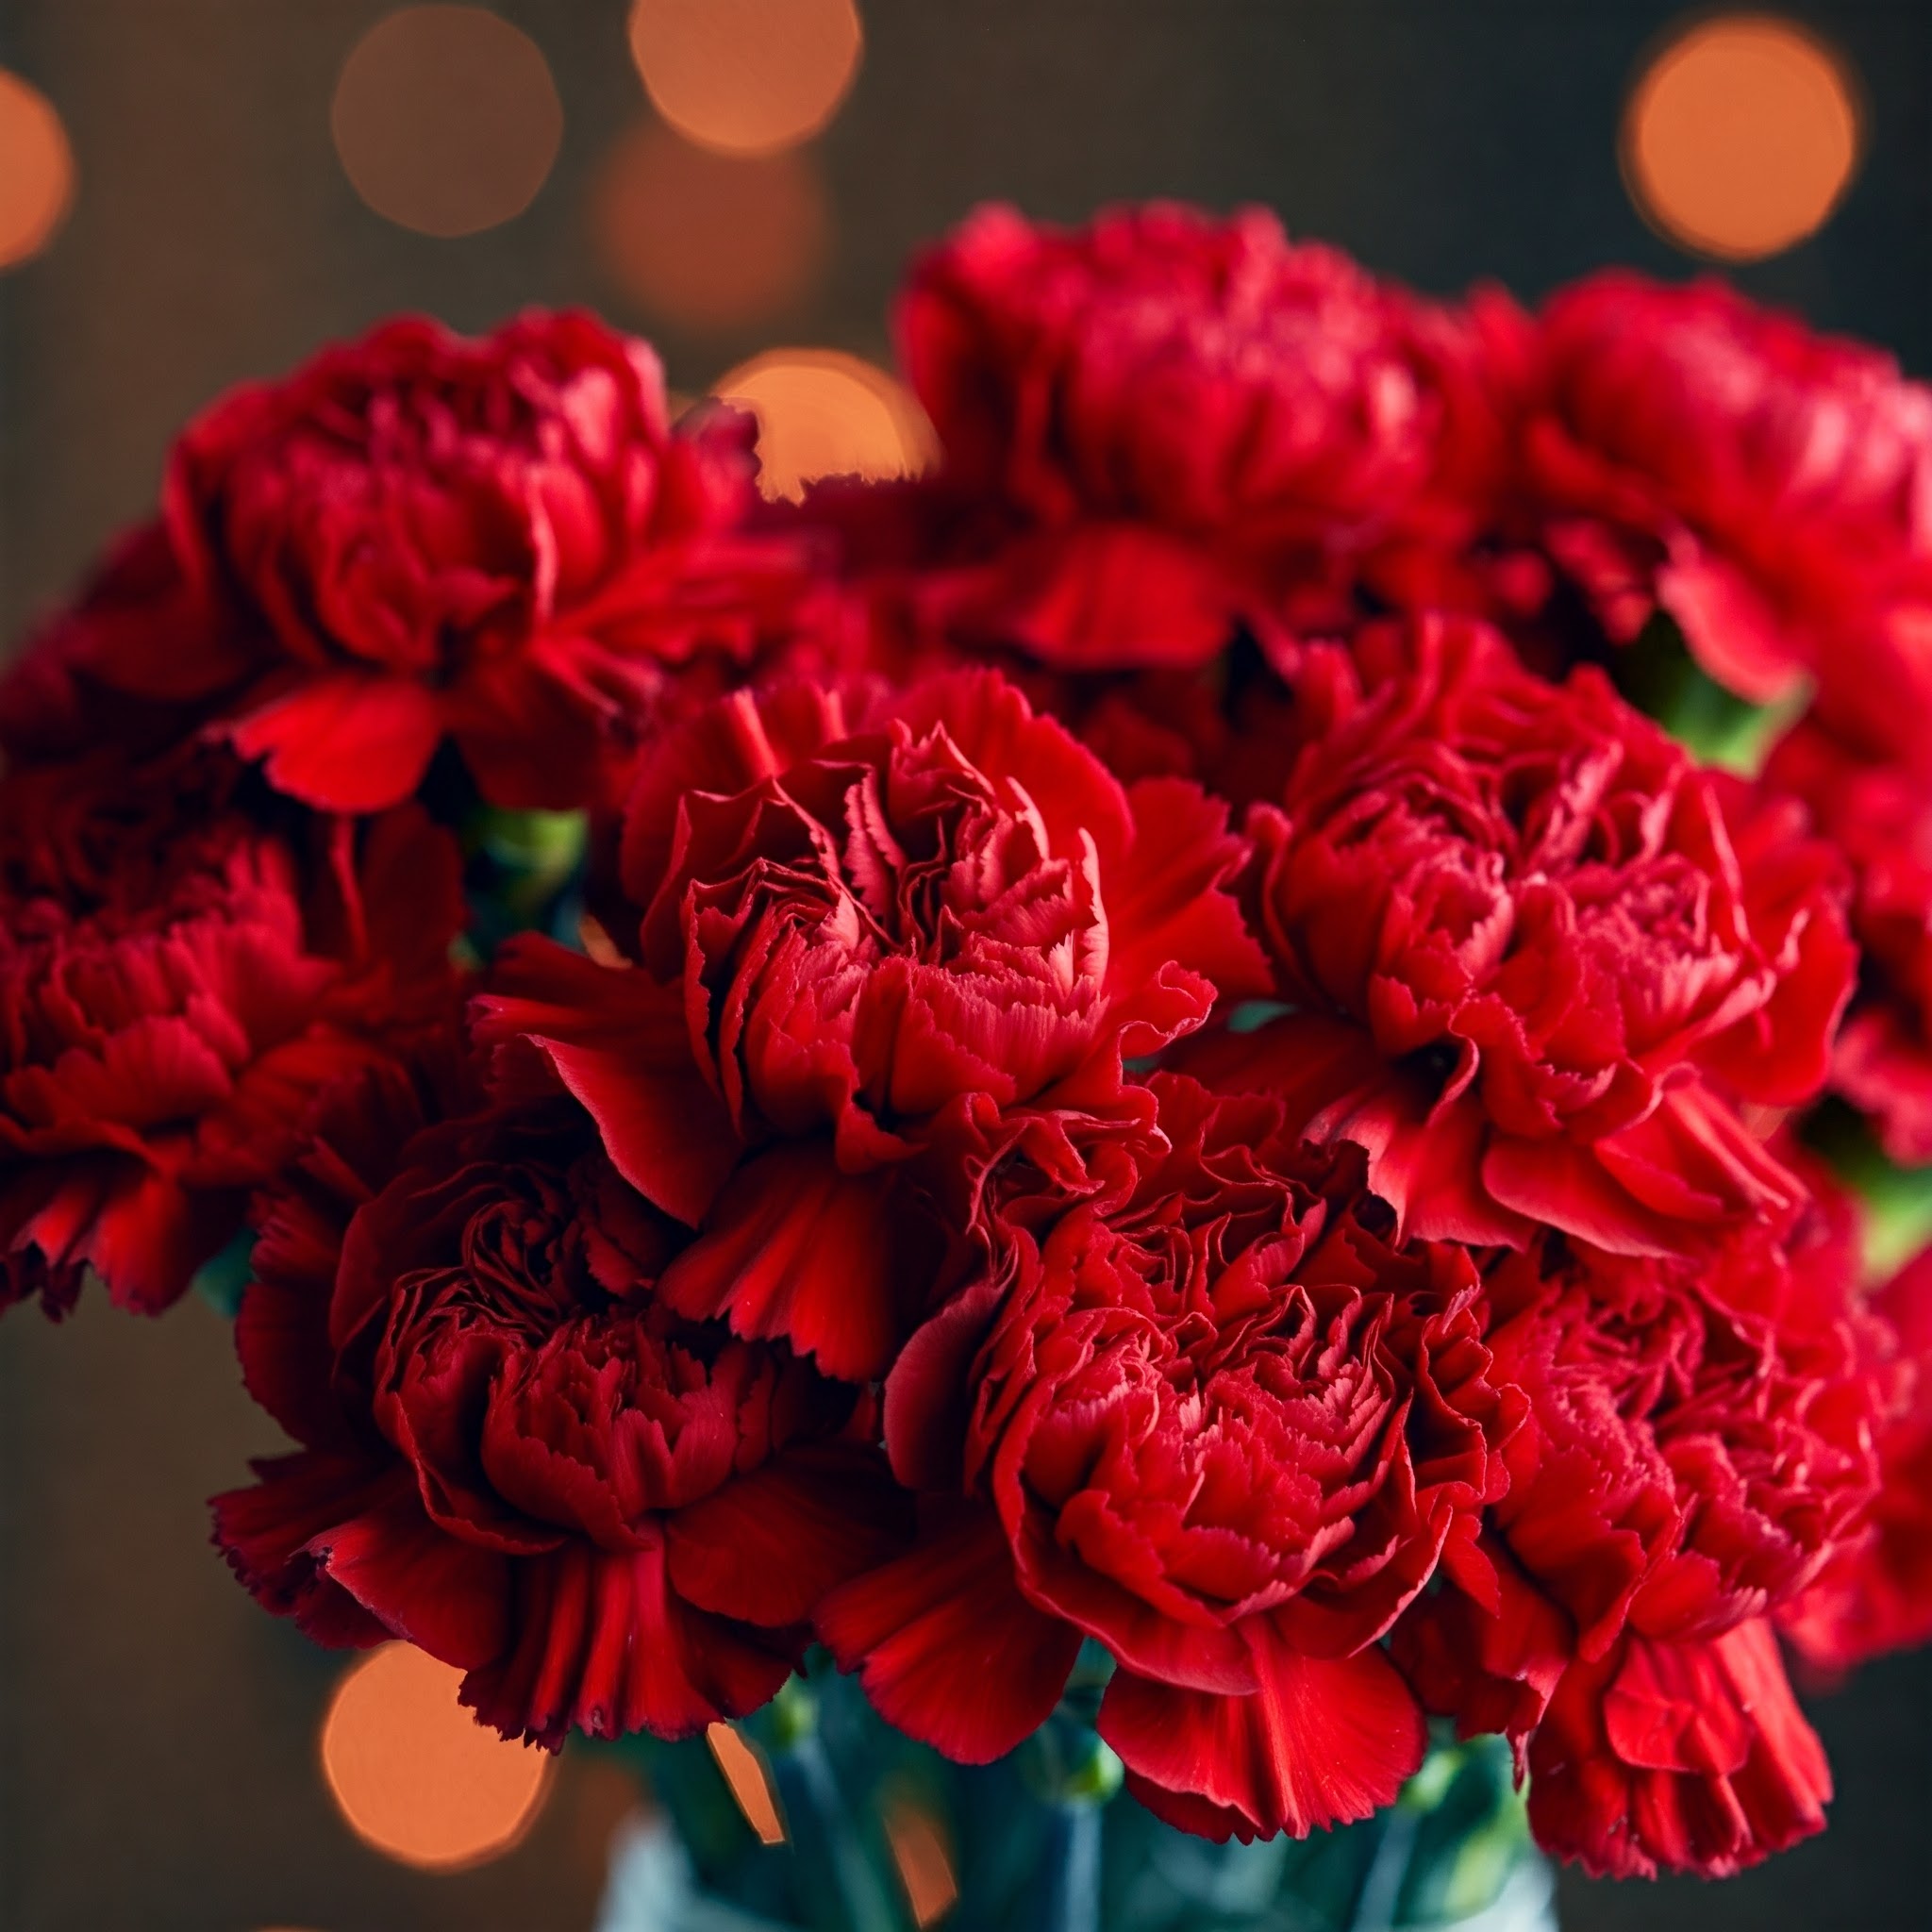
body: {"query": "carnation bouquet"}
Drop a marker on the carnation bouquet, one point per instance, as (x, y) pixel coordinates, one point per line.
(1199, 1148)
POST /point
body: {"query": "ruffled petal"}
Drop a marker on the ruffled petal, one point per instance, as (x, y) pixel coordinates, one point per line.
(948, 1648)
(599, 1641)
(1319, 1743)
(617, 1040)
(769, 1546)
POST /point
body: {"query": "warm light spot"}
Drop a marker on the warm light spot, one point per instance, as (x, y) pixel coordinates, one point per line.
(706, 241)
(744, 1772)
(822, 414)
(746, 76)
(1741, 136)
(446, 119)
(925, 1861)
(415, 1774)
(36, 170)
(594, 937)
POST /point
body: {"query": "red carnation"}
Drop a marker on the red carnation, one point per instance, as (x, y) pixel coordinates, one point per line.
(180, 978)
(1689, 451)
(1879, 816)
(1533, 951)
(1698, 1452)
(1876, 1595)
(514, 1453)
(1163, 425)
(914, 924)
(419, 538)
(1203, 1415)
(1688, 1757)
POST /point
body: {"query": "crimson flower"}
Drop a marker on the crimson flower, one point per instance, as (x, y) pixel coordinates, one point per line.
(1878, 814)
(1204, 1415)
(1533, 953)
(916, 925)
(1697, 1455)
(1686, 450)
(419, 538)
(1164, 424)
(181, 978)
(1876, 1595)
(1689, 1756)
(514, 1453)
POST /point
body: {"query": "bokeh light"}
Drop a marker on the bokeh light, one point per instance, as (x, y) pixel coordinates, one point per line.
(746, 76)
(925, 1861)
(415, 1774)
(1741, 136)
(708, 241)
(446, 119)
(823, 413)
(36, 170)
(744, 1772)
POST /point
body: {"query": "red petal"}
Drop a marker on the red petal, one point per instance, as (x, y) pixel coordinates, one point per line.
(1666, 1710)
(1322, 1742)
(281, 1335)
(530, 741)
(948, 1648)
(1112, 595)
(836, 1264)
(265, 1532)
(769, 1546)
(346, 742)
(1688, 1755)
(599, 1641)
(928, 1394)
(448, 1597)
(1695, 1160)
(1488, 1672)
(152, 1234)
(1730, 626)
(409, 891)
(1169, 902)
(1425, 1163)
(618, 1040)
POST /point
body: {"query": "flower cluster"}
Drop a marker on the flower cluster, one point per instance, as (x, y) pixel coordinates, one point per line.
(1151, 1057)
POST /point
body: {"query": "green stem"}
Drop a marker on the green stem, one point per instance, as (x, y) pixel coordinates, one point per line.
(1070, 1899)
(824, 1828)
(1377, 1903)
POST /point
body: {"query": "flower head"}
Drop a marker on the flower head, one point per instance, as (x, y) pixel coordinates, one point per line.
(1206, 1416)
(1533, 954)
(182, 976)
(513, 1452)
(1162, 424)
(1770, 489)
(418, 537)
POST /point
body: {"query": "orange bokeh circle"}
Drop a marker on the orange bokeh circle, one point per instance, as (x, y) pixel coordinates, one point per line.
(414, 1773)
(746, 76)
(446, 119)
(823, 413)
(1741, 136)
(708, 241)
(36, 170)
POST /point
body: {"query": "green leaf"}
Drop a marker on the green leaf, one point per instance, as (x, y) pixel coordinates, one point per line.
(218, 1282)
(1897, 1200)
(545, 843)
(1658, 674)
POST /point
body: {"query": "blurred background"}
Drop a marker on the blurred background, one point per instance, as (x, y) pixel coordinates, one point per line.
(194, 191)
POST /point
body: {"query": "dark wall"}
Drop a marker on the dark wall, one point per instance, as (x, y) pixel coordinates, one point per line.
(155, 1731)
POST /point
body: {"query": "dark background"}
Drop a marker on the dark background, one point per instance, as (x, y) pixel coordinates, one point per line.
(156, 1759)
